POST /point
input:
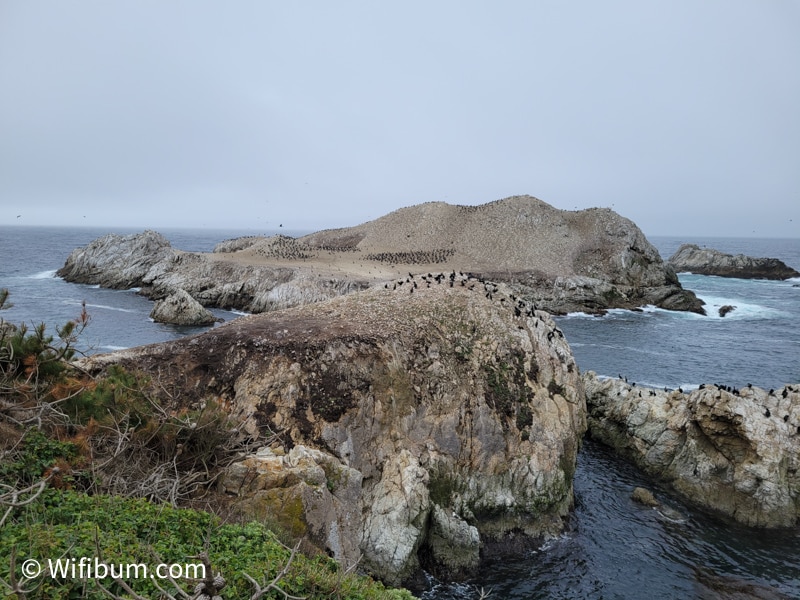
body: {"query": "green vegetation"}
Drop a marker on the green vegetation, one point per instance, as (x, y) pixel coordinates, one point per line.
(72, 445)
(120, 531)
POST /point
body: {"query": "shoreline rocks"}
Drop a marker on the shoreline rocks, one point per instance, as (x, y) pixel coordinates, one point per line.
(413, 429)
(734, 453)
(708, 261)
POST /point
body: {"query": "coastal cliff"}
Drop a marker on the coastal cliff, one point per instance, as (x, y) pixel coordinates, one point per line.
(708, 261)
(563, 261)
(417, 425)
(732, 451)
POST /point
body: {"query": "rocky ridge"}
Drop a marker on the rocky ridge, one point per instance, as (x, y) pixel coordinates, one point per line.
(563, 261)
(417, 425)
(733, 451)
(708, 261)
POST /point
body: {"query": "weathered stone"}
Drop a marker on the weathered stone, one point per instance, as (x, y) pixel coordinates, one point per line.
(118, 261)
(708, 261)
(735, 453)
(724, 310)
(408, 400)
(179, 308)
(453, 542)
(305, 492)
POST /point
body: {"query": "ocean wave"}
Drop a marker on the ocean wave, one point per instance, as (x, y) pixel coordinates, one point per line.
(686, 387)
(102, 306)
(43, 275)
(742, 310)
(113, 348)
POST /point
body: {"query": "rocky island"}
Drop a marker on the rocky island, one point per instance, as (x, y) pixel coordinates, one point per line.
(422, 425)
(562, 261)
(692, 258)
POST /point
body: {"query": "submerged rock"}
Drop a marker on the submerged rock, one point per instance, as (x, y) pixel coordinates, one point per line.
(644, 496)
(738, 454)
(414, 427)
(708, 261)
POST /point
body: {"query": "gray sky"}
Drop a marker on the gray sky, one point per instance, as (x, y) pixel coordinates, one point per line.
(682, 115)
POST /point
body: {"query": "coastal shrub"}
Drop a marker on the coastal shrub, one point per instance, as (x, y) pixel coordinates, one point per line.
(33, 456)
(119, 531)
(33, 354)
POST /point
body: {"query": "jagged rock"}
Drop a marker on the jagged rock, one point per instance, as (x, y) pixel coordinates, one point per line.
(564, 261)
(440, 397)
(117, 261)
(453, 542)
(735, 453)
(724, 310)
(179, 308)
(707, 261)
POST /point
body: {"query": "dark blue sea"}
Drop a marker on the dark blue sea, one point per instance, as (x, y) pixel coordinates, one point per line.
(611, 548)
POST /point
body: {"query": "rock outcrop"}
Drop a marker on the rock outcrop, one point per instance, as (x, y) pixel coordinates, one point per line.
(179, 308)
(692, 258)
(563, 261)
(736, 453)
(415, 426)
(147, 261)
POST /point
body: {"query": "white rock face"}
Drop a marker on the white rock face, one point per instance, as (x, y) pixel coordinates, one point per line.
(738, 453)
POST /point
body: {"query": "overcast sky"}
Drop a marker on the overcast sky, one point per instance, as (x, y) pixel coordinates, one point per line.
(682, 115)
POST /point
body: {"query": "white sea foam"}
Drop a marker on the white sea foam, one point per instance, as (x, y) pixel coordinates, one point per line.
(102, 306)
(113, 348)
(43, 275)
(742, 310)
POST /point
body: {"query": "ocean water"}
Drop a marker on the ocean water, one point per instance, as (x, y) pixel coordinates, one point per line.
(611, 547)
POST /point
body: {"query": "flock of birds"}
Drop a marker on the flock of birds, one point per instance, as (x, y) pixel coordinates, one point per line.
(724, 388)
(471, 281)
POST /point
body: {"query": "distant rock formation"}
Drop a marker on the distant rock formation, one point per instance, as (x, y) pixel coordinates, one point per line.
(179, 308)
(563, 261)
(417, 425)
(736, 453)
(692, 258)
